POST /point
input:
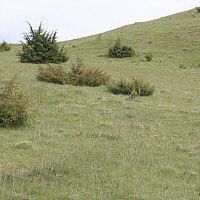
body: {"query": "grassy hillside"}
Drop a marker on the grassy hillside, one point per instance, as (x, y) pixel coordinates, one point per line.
(89, 144)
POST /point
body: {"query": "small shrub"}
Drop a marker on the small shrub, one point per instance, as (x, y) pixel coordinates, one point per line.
(23, 145)
(119, 51)
(99, 36)
(182, 66)
(148, 56)
(4, 46)
(80, 75)
(52, 74)
(131, 87)
(198, 9)
(14, 106)
(41, 47)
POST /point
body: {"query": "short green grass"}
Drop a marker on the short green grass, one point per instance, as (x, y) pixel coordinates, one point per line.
(87, 143)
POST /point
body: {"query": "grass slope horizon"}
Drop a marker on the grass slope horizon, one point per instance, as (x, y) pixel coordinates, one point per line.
(87, 143)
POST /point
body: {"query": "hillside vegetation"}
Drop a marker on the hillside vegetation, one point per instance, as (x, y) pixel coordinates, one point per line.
(87, 143)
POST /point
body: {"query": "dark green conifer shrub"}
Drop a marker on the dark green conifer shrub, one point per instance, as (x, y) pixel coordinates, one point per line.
(41, 47)
(119, 51)
(135, 86)
(52, 74)
(14, 105)
(148, 56)
(4, 46)
(198, 9)
(80, 75)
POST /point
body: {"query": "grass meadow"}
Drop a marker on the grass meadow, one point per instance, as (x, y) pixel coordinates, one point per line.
(87, 143)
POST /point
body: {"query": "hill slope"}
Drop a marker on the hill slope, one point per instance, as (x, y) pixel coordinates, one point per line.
(89, 144)
(176, 35)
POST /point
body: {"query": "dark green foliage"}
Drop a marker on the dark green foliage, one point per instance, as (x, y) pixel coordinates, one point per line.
(119, 51)
(41, 47)
(80, 75)
(135, 86)
(4, 46)
(182, 66)
(148, 56)
(52, 74)
(14, 106)
(198, 9)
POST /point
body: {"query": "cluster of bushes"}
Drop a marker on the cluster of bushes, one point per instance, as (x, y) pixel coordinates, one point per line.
(78, 75)
(41, 47)
(4, 46)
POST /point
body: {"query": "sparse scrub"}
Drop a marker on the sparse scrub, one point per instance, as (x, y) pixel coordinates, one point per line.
(119, 51)
(41, 47)
(14, 105)
(80, 75)
(148, 56)
(4, 46)
(131, 87)
(52, 74)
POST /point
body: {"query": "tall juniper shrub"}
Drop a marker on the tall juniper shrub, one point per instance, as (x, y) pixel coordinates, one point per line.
(41, 47)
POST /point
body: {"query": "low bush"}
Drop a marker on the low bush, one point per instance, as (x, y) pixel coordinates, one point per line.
(80, 75)
(4, 46)
(134, 86)
(148, 56)
(14, 105)
(52, 74)
(119, 51)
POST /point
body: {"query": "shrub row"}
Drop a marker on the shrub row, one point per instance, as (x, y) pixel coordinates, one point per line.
(78, 75)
